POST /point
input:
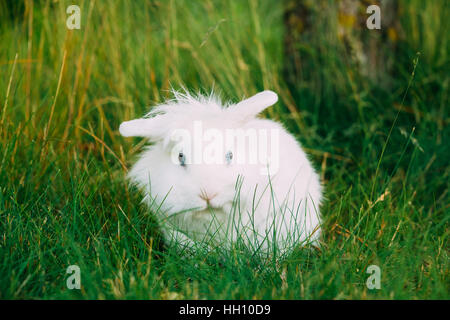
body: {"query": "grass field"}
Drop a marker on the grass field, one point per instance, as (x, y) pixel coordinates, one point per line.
(383, 154)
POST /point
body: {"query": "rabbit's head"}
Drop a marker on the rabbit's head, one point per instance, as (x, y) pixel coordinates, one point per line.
(201, 148)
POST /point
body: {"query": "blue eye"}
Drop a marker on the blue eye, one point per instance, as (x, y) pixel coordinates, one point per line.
(229, 157)
(182, 159)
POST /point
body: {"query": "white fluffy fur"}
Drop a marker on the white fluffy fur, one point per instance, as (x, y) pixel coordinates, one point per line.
(258, 210)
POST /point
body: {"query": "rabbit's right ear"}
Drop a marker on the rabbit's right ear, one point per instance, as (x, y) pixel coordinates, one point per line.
(141, 128)
(250, 107)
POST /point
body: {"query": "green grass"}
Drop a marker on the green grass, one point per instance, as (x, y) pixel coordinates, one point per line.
(382, 153)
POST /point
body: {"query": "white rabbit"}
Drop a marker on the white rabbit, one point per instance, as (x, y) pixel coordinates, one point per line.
(206, 185)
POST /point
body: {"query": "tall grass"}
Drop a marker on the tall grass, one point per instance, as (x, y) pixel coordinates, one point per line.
(63, 195)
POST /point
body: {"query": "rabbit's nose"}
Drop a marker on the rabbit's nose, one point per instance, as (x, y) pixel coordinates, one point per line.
(206, 196)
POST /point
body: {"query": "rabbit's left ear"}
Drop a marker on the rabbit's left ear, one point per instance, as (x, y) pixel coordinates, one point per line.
(252, 106)
(145, 127)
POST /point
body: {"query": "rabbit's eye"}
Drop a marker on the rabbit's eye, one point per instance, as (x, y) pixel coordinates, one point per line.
(229, 157)
(182, 158)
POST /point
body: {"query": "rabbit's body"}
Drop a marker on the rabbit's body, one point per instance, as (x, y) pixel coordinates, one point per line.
(258, 203)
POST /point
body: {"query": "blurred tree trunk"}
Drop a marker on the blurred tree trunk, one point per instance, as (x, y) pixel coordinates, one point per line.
(371, 51)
